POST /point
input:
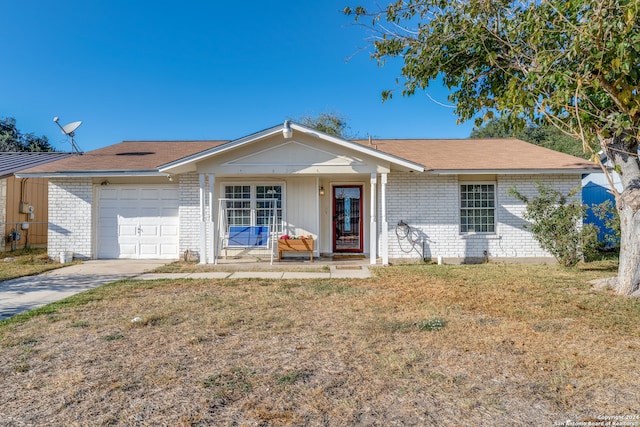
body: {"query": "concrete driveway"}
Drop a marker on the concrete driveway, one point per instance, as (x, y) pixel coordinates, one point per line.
(27, 293)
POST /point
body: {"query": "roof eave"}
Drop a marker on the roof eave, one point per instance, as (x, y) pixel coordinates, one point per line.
(35, 159)
(91, 174)
(559, 171)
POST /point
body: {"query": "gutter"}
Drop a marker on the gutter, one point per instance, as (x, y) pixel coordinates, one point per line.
(511, 171)
(91, 174)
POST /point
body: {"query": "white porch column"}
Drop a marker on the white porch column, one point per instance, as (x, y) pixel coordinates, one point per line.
(373, 229)
(212, 255)
(384, 243)
(203, 224)
(318, 207)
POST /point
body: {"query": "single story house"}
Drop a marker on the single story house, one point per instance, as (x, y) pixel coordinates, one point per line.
(23, 202)
(388, 200)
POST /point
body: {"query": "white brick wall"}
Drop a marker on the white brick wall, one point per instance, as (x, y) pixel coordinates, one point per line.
(189, 189)
(70, 217)
(430, 205)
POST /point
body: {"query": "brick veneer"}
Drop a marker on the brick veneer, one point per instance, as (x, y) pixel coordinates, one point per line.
(430, 205)
(189, 190)
(70, 217)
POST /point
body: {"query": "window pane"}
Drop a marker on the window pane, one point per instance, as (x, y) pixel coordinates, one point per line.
(237, 192)
(238, 210)
(477, 208)
(264, 208)
(254, 205)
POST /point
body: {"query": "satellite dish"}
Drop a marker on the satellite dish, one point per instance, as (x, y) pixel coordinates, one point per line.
(69, 130)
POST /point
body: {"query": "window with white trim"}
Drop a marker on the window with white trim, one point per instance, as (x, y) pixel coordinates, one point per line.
(252, 204)
(477, 208)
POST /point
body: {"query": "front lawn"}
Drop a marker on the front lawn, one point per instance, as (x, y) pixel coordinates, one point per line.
(25, 262)
(494, 345)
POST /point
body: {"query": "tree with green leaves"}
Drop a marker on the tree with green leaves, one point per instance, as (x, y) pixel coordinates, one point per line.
(573, 64)
(329, 123)
(11, 139)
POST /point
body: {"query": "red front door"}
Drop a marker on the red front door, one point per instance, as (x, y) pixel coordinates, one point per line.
(347, 218)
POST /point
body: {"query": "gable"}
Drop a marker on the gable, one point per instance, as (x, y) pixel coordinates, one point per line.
(294, 153)
(274, 156)
(300, 151)
(303, 154)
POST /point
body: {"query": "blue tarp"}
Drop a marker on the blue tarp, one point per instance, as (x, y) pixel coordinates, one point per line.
(594, 194)
(248, 236)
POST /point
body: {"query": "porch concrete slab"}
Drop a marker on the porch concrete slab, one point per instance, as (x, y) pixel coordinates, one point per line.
(305, 275)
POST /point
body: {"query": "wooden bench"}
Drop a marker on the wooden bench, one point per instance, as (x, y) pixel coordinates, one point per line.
(297, 245)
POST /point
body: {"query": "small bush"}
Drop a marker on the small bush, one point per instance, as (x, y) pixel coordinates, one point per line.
(556, 223)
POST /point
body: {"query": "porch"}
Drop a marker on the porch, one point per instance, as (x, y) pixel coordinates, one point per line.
(282, 219)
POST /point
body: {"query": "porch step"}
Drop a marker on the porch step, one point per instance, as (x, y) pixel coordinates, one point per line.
(348, 256)
(348, 267)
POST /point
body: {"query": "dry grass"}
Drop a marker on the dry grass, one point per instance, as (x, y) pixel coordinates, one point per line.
(492, 345)
(25, 262)
(247, 264)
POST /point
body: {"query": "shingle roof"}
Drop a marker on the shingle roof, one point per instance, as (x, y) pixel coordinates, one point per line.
(499, 154)
(454, 155)
(127, 156)
(12, 162)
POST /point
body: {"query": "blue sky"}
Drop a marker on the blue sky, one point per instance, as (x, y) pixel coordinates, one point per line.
(191, 70)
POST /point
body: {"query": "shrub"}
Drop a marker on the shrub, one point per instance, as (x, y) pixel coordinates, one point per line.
(556, 223)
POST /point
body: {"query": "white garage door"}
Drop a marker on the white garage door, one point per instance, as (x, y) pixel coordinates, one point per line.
(138, 222)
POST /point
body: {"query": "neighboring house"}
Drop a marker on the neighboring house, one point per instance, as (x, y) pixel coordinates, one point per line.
(23, 202)
(383, 199)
